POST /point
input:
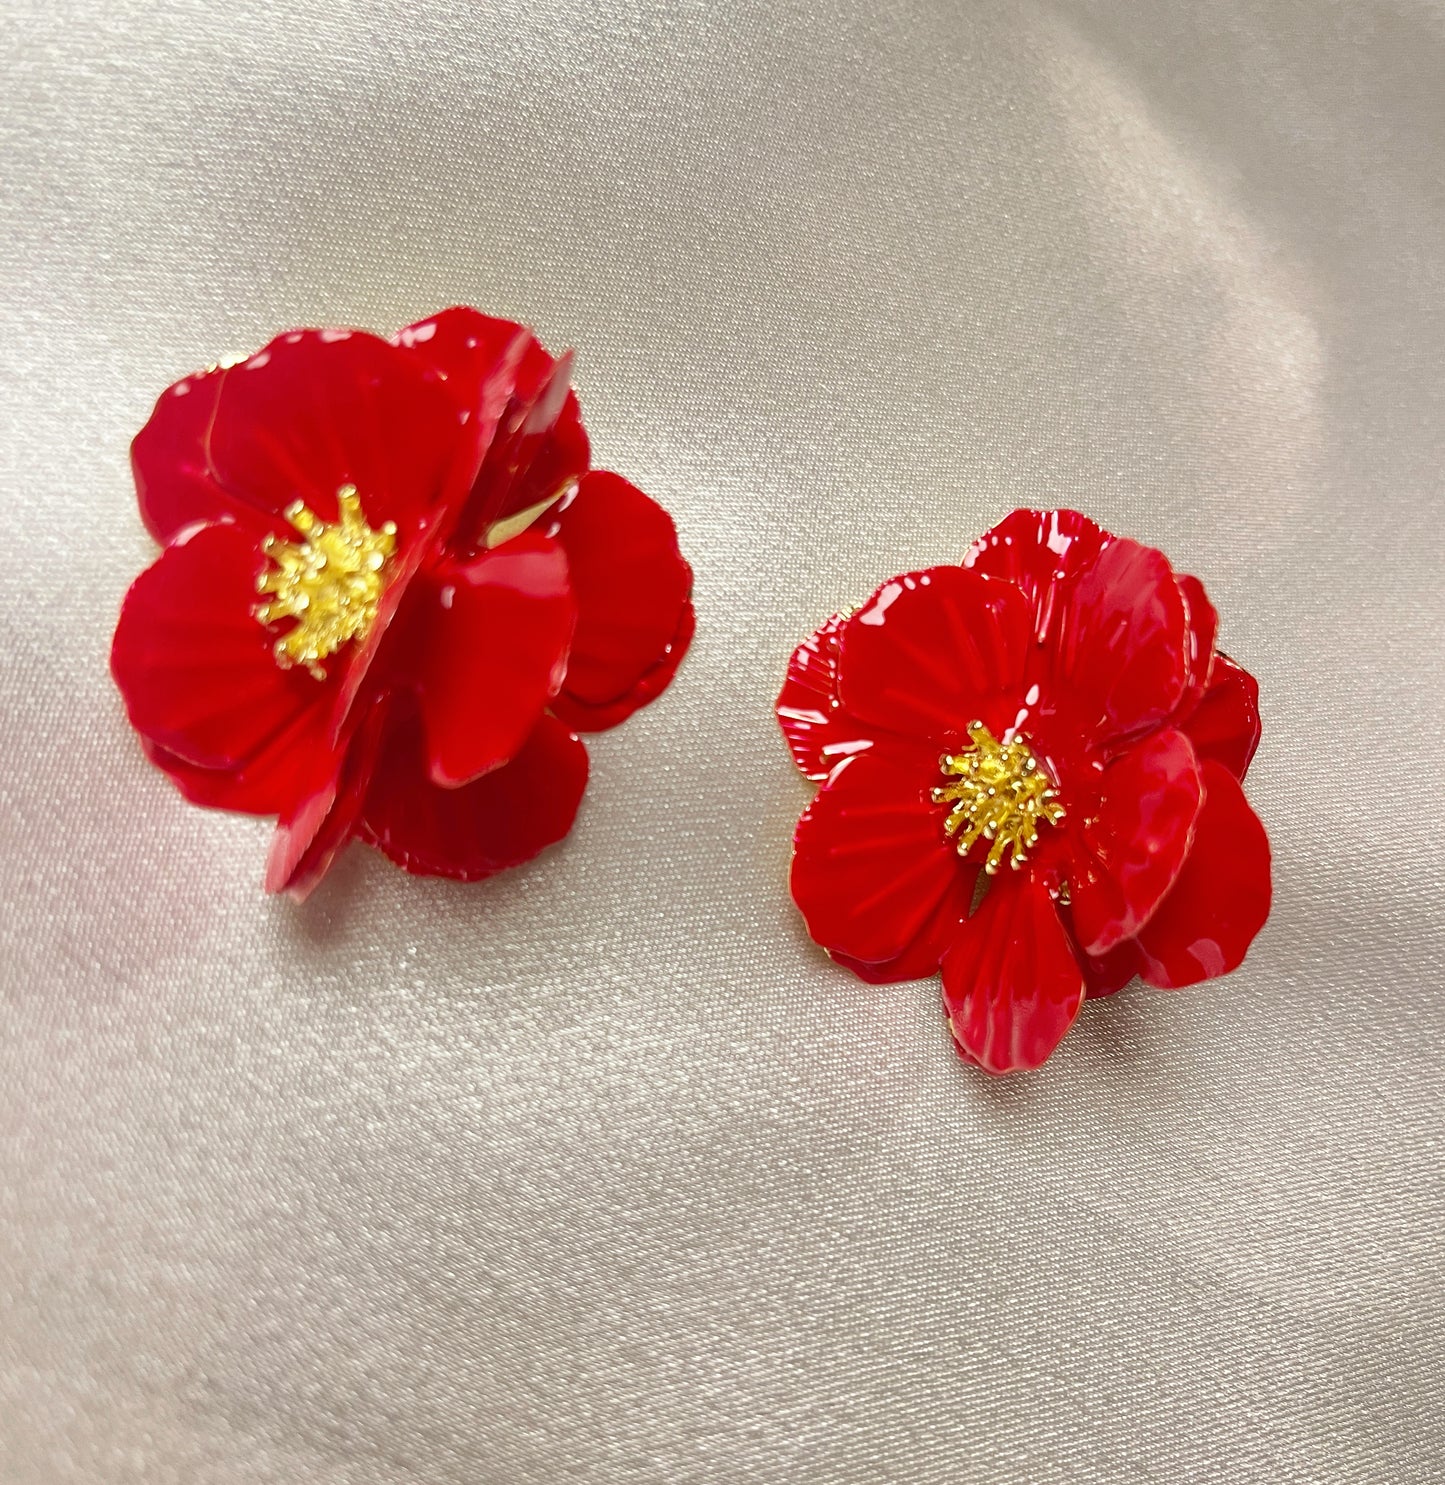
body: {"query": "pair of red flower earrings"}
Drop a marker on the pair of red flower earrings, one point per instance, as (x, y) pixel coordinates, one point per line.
(392, 592)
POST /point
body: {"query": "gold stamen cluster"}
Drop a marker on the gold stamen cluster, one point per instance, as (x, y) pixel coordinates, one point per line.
(1000, 795)
(330, 582)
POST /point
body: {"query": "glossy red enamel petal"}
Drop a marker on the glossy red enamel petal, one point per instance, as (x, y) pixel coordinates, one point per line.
(1131, 846)
(932, 651)
(224, 788)
(195, 667)
(871, 864)
(170, 458)
(1036, 550)
(922, 957)
(498, 366)
(1199, 659)
(1224, 726)
(539, 453)
(552, 455)
(807, 706)
(1206, 924)
(319, 409)
(289, 767)
(581, 716)
(498, 821)
(631, 584)
(310, 836)
(462, 348)
(819, 733)
(489, 642)
(1119, 662)
(1107, 973)
(1011, 984)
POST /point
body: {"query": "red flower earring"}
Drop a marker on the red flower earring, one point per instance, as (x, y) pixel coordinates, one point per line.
(391, 594)
(1050, 724)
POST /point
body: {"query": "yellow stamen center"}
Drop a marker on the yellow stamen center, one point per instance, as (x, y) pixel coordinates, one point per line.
(1000, 794)
(330, 582)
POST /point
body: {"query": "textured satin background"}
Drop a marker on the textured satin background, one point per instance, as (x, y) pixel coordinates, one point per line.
(599, 1171)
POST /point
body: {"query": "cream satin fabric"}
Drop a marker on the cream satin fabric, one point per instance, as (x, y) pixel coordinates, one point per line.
(600, 1172)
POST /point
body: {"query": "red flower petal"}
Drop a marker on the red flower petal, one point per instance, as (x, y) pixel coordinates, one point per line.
(1225, 725)
(631, 585)
(497, 821)
(540, 448)
(807, 706)
(819, 733)
(1131, 847)
(171, 460)
(310, 836)
(195, 668)
(223, 788)
(539, 453)
(921, 958)
(550, 454)
(1122, 644)
(932, 651)
(490, 650)
(1110, 972)
(1207, 922)
(1011, 984)
(1037, 550)
(1106, 973)
(1203, 627)
(286, 769)
(871, 864)
(314, 410)
(462, 348)
(581, 717)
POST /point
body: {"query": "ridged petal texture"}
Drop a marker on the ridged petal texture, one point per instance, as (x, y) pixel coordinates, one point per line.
(1132, 845)
(632, 588)
(809, 712)
(196, 669)
(312, 411)
(871, 865)
(498, 821)
(492, 654)
(932, 650)
(1011, 984)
